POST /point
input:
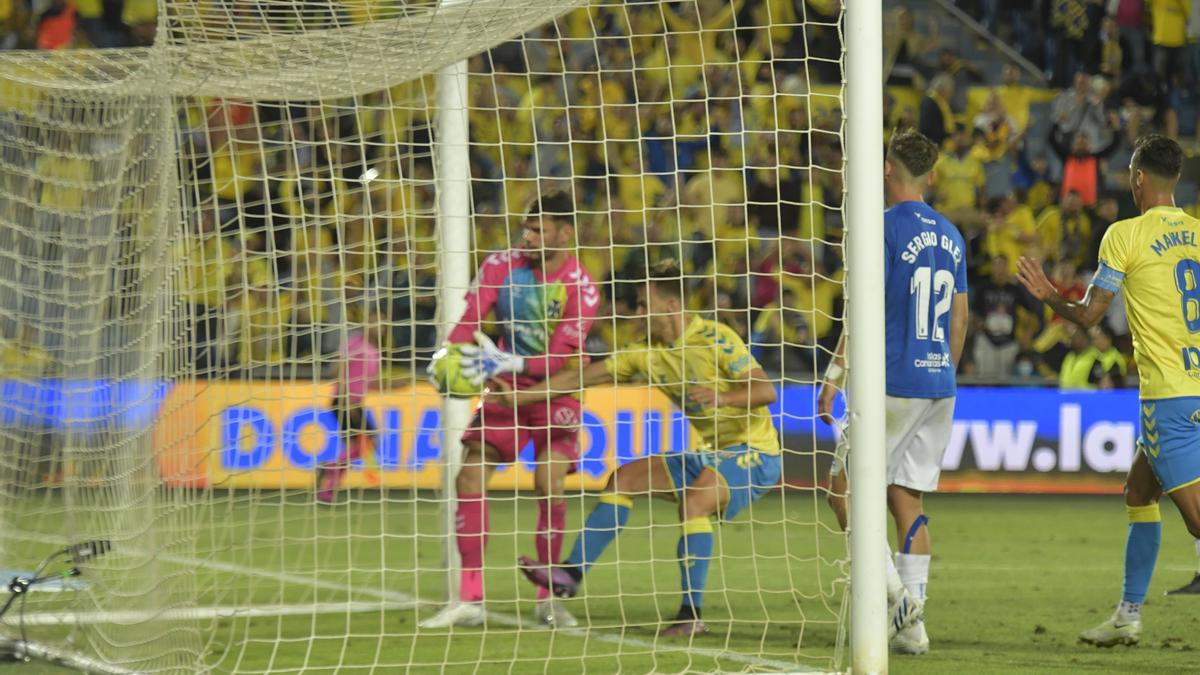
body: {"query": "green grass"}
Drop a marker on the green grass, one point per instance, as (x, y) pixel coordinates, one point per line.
(1014, 580)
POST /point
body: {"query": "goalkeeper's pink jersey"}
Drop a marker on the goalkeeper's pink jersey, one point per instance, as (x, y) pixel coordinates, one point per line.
(543, 318)
(362, 367)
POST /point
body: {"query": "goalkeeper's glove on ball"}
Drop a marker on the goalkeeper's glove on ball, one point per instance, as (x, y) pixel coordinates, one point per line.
(485, 360)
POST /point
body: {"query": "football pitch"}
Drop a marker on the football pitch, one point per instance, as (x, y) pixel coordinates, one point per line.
(1014, 580)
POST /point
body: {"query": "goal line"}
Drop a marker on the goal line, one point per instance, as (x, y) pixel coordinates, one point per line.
(382, 600)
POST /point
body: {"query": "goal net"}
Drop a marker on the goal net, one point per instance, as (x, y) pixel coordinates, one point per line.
(210, 248)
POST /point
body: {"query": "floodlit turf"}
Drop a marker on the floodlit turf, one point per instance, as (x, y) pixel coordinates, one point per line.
(1015, 579)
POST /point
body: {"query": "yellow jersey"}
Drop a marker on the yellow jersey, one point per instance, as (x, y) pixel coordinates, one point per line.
(712, 355)
(1156, 258)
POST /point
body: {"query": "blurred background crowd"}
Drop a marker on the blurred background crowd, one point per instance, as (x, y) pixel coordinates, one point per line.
(706, 131)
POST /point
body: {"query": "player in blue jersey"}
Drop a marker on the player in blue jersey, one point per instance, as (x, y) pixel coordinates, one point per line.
(1155, 259)
(926, 324)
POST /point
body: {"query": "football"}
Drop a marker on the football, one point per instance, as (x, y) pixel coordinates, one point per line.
(446, 370)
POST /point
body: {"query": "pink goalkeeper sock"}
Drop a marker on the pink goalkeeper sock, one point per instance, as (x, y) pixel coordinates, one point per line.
(471, 526)
(552, 520)
(470, 587)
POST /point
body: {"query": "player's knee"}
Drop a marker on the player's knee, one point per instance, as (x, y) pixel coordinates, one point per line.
(470, 480)
(904, 503)
(627, 480)
(547, 484)
(1139, 495)
(698, 504)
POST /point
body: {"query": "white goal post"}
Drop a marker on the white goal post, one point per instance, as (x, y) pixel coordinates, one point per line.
(866, 346)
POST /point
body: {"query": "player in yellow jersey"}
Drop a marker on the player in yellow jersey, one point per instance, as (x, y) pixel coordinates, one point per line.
(1155, 258)
(705, 368)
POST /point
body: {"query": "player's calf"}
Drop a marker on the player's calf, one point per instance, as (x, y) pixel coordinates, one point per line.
(606, 520)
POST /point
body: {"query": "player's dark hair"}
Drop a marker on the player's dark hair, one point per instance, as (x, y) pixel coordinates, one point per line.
(1158, 155)
(666, 277)
(914, 151)
(558, 204)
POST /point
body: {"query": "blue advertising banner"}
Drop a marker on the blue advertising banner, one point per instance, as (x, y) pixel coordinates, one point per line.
(242, 433)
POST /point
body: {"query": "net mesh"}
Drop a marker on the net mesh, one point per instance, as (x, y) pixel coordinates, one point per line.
(194, 237)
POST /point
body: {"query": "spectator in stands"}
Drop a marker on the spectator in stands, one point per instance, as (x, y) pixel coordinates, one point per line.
(208, 268)
(1092, 362)
(1018, 97)
(1031, 178)
(1129, 16)
(1066, 230)
(780, 338)
(1010, 230)
(1080, 111)
(1065, 39)
(936, 114)
(1183, 106)
(1076, 369)
(1111, 365)
(56, 25)
(1082, 166)
(958, 180)
(256, 327)
(1111, 56)
(998, 128)
(965, 73)
(1169, 19)
(1001, 310)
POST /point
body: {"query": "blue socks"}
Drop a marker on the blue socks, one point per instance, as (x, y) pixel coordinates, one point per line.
(1141, 550)
(695, 551)
(610, 514)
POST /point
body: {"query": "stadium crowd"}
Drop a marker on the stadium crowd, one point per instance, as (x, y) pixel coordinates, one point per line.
(706, 131)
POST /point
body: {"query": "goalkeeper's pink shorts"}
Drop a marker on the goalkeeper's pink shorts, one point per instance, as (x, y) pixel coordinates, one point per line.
(552, 426)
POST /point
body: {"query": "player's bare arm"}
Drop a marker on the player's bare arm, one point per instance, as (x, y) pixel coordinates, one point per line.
(959, 315)
(1086, 312)
(832, 381)
(755, 391)
(565, 381)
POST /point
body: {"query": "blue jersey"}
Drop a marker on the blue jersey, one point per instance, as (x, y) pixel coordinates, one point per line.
(924, 268)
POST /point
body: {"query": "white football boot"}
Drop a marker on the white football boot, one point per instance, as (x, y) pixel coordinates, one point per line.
(911, 640)
(456, 614)
(905, 611)
(551, 614)
(1115, 631)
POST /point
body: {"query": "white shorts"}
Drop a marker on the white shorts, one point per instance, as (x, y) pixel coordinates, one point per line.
(918, 430)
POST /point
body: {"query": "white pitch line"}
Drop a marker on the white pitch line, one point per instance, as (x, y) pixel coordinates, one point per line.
(191, 613)
(493, 617)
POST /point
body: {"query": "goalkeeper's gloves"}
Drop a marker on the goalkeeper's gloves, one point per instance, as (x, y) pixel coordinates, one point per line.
(483, 362)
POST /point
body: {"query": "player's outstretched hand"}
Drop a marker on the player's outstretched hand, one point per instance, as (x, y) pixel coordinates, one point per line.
(825, 402)
(485, 361)
(1033, 278)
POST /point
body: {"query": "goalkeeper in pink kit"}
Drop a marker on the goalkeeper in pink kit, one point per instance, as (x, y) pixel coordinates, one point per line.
(545, 301)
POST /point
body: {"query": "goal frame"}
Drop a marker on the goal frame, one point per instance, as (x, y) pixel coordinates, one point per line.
(866, 344)
(863, 171)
